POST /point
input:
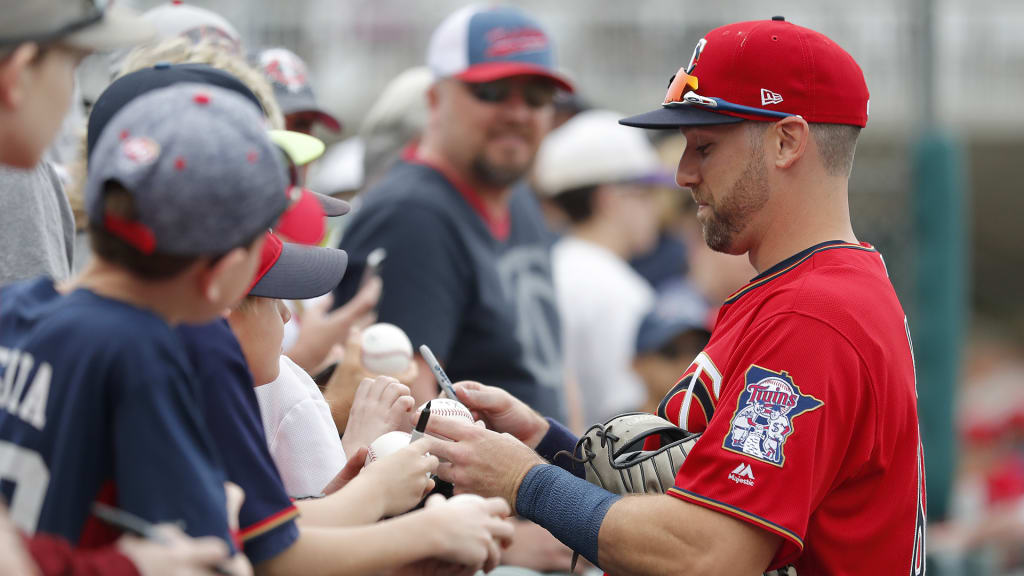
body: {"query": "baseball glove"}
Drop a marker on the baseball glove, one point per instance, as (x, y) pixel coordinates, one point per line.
(614, 458)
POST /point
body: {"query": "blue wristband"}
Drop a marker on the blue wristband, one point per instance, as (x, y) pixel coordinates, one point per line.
(557, 439)
(567, 506)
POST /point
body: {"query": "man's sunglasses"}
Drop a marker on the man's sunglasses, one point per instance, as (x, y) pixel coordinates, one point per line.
(681, 92)
(95, 11)
(535, 94)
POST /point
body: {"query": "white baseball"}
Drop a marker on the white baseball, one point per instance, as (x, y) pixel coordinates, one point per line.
(386, 350)
(447, 407)
(386, 444)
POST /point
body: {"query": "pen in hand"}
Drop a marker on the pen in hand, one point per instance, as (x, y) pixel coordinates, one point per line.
(421, 424)
(439, 375)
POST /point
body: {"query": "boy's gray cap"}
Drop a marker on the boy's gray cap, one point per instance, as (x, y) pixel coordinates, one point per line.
(204, 176)
(93, 25)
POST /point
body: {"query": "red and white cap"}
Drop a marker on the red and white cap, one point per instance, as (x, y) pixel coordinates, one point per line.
(483, 43)
(763, 70)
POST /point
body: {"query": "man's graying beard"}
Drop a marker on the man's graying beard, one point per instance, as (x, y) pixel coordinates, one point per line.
(495, 176)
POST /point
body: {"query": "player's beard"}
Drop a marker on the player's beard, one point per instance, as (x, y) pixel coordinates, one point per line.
(729, 216)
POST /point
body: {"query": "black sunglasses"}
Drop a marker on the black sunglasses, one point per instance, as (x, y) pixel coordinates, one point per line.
(96, 10)
(535, 94)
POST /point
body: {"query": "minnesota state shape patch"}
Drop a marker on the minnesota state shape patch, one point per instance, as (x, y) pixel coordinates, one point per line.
(765, 414)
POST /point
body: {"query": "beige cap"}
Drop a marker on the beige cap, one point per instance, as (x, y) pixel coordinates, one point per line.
(94, 25)
(592, 148)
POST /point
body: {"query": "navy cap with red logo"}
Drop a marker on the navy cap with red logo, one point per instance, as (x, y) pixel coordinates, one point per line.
(763, 70)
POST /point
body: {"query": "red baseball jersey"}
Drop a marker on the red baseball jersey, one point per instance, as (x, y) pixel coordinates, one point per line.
(806, 398)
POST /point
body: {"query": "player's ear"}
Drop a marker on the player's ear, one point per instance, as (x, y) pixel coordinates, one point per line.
(12, 71)
(789, 140)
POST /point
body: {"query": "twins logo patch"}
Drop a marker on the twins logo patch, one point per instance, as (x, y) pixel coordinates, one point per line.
(764, 416)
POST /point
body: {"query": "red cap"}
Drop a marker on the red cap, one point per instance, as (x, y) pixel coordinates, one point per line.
(303, 221)
(771, 65)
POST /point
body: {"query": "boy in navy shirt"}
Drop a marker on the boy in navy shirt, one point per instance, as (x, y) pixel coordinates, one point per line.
(99, 401)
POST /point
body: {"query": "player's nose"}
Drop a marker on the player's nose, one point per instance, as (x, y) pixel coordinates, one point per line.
(687, 172)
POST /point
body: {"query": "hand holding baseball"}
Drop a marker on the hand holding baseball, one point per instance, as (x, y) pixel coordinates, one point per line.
(480, 461)
(472, 530)
(399, 478)
(502, 412)
(380, 405)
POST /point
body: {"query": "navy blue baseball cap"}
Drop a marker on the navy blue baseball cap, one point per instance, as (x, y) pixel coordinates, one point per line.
(202, 172)
(481, 43)
(131, 86)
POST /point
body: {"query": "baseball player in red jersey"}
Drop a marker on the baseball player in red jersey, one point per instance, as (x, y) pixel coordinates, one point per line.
(805, 395)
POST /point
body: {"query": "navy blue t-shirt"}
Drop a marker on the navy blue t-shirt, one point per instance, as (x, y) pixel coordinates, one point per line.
(267, 519)
(98, 400)
(485, 306)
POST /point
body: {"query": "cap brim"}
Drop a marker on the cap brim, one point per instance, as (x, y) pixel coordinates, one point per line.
(304, 102)
(333, 206)
(491, 71)
(676, 117)
(301, 148)
(119, 28)
(302, 272)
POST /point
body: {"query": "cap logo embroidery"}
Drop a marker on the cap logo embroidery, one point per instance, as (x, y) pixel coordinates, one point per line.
(696, 55)
(285, 71)
(503, 42)
(140, 151)
(769, 97)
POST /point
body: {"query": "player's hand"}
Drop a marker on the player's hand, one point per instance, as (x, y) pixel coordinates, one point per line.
(400, 480)
(535, 548)
(502, 412)
(179, 555)
(471, 530)
(321, 329)
(480, 461)
(380, 405)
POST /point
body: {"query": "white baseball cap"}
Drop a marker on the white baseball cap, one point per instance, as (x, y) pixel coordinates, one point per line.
(177, 19)
(592, 148)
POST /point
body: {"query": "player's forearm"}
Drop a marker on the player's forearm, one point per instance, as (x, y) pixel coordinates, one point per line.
(353, 551)
(357, 504)
(632, 541)
(641, 534)
(658, 534)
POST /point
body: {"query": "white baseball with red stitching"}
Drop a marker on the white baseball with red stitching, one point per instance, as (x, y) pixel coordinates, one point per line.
(447, 407)
(386, 350)
(386, 444)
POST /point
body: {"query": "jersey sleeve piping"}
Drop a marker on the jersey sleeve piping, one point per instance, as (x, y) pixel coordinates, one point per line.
(269, 523)
(741, 514)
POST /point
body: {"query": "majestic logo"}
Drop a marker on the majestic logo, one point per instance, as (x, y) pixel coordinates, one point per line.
(696, 55)
(764, 415)
(769, 97)
(742, 474)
